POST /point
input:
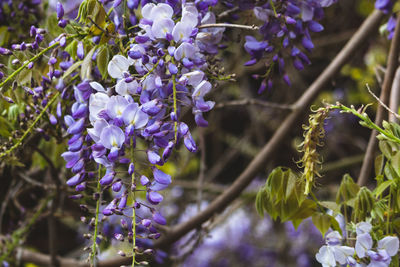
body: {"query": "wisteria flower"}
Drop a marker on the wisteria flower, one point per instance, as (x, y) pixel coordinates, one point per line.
(134, 117)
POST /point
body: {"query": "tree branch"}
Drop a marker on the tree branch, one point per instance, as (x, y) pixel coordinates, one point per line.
(395, 96)
(228, 25)
(245, 102)
(392, 64)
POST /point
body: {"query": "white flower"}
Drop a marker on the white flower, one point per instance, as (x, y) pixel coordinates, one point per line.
(326, 256)
(97, 103)
(390, 244)
(118, 66)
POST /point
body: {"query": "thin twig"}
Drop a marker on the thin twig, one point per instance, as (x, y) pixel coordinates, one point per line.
(227, 12)
(384, 97)
(245, 102)
(228, 25)
(380, 102)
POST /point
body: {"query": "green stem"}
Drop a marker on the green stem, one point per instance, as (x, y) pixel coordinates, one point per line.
(273, 7)
(388, 212)
(133, 214)
(12, 75)
(96, 223)
(151, 70)
(175, 103)
(175, 106)
(368, 122)
(19, 142)
(133, 224)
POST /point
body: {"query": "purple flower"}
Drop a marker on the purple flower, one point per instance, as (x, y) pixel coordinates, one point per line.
(107, 179)
(384, 5)
(185, 50)
(60, 11)
(161, 177)
(116, 106)
(80, 52)
(158, 218)
(134, 117)
(112, 137)
(95, 132)
(76, 179)
(154, 197)
(162, 27)
(363, 244)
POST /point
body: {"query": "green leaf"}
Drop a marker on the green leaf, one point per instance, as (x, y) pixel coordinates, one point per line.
(71, 48)
(379, 163)
(24, 77)
(396, 162)
(390, 173)
(330, 205)
(289, 208)
(322, 222)
(335, 225)
(307, 208)
(86, 68)
(296, 223)
(71, 69)
(259, 202)
(5, 127)
(382, 187)
(274, 184)
(103, 57)
(379, 210)
(386, 149)
(348, 189)
(291, 184)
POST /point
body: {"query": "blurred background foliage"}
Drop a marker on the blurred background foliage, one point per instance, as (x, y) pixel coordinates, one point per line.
(235, 134)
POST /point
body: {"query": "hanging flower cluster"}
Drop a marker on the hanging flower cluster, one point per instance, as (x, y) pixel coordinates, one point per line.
(162, 72)
(286, 25)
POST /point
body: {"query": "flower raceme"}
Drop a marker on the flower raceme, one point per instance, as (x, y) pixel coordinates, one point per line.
(286, 24)
(162, 71)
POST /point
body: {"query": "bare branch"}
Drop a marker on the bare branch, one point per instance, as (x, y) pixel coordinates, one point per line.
(244, 102)
(228, 25)
(380, 102)
(392, 64)
(395, 95)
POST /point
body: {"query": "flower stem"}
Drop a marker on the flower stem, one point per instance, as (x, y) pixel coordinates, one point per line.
(175, 106)
(133, 225)
(228, 25)
(96, 223)
(273, 7)
(133, 214)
